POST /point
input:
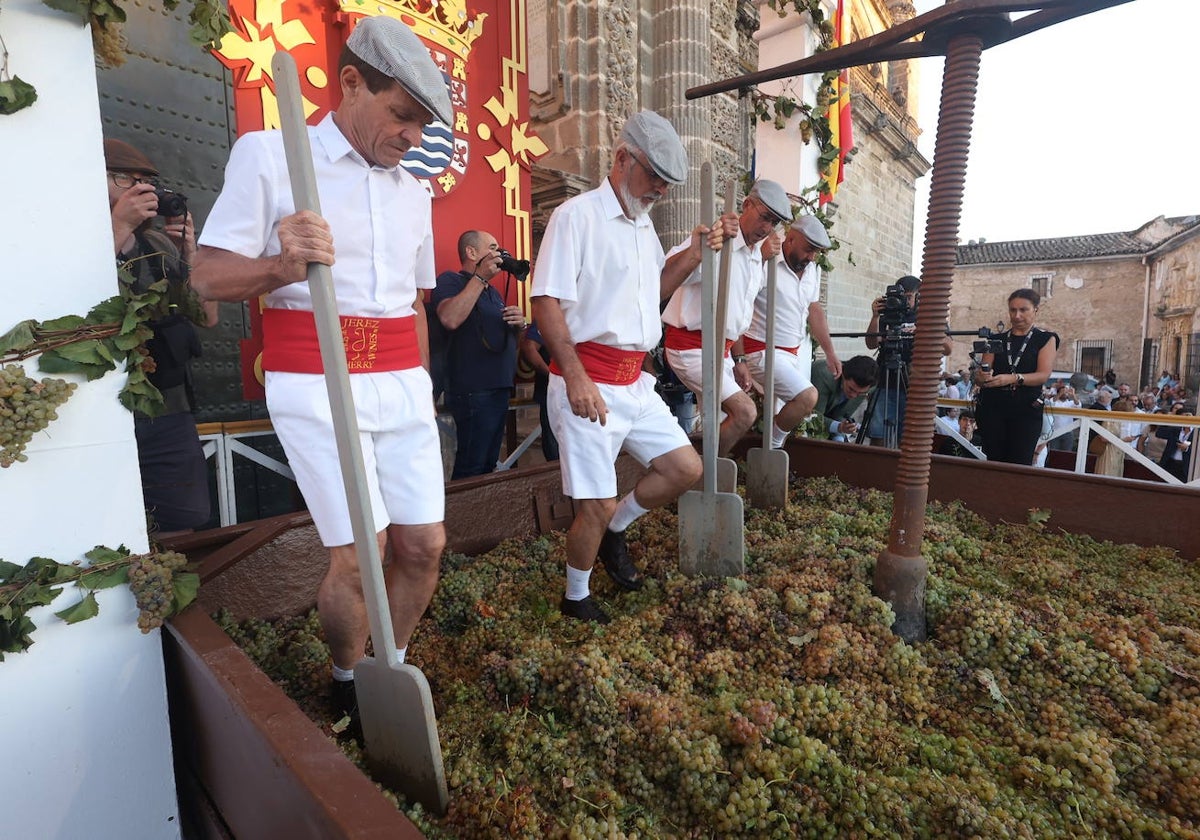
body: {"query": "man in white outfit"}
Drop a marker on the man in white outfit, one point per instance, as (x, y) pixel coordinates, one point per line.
(600, 278)
(797, 313)
(379, 218)
(764, 209)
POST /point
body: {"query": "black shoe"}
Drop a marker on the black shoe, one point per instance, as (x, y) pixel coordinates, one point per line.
(585, 610)
(615, 557)
(345, 705)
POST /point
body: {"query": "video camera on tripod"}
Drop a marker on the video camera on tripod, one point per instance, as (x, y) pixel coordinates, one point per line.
(897, 327)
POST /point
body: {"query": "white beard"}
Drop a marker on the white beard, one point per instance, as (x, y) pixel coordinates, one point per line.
(635, 206)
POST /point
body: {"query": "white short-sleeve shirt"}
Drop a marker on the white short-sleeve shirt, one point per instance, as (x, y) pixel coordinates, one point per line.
(604, 268)
(380, 218)
(793, 295)
(747, 277)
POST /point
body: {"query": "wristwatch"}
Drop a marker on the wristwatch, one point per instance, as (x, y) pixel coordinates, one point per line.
(737, 360)
(1020, 379)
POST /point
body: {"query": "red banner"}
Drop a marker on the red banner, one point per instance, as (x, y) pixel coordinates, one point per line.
(477, 170)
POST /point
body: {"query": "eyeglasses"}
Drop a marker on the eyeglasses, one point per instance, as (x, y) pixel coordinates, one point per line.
(124, 180)
(655, 178)
(766, 214)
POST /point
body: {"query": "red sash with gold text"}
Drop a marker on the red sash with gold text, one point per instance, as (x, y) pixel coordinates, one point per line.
(607, 365)
(372, 344)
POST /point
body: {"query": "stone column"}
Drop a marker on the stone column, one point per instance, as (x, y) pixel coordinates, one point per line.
(902, 75)
(681, 59)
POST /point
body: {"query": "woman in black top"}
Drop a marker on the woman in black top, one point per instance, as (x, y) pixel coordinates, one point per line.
(1010, 397)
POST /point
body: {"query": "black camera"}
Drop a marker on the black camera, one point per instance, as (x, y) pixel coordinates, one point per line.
(170, 203)
(988, 343)
(517, 268)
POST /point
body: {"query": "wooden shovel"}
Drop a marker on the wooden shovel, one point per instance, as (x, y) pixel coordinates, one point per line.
(394, 701)
(767, 468)
(711, 526)
(726, 467)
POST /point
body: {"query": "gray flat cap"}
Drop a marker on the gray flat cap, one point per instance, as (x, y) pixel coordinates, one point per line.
(774, 197)
(657, 138)
(391, 48)
(813, 231)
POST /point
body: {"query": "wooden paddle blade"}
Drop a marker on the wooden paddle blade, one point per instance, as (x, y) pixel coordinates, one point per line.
(712, 537)
(767, 478)
(726, 475)
(400, 731)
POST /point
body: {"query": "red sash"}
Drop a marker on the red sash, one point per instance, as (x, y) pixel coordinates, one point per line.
(753, 345)
(372, 344)
(607, 365)
(677, 338)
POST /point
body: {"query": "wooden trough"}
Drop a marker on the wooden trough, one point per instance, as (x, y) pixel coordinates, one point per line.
(250, 764)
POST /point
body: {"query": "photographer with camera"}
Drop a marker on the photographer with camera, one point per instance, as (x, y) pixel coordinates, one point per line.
(891, 331)
(1010, 383)
(154, 240)
(481, 352)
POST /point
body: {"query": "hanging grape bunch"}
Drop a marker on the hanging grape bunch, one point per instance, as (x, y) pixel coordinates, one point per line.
(26, 407)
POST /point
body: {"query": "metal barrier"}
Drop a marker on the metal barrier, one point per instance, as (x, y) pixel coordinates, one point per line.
(1088, 422)
(222, 442)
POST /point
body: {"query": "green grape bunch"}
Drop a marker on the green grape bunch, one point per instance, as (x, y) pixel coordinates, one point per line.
(26, 407)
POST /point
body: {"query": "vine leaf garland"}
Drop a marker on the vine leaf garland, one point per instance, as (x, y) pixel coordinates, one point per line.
(160, 584)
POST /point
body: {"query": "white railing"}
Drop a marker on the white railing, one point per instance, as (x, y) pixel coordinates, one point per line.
(1087, 423)
(223, 442)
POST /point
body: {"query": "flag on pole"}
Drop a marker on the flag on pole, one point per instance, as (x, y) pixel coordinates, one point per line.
(841, 126)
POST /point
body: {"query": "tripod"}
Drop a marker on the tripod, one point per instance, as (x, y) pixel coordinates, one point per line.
(894, 382)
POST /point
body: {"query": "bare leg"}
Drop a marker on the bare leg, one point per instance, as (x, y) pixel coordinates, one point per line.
(583, 537)
(340, 605)
(795, 410)
(740, 413)
(412, 576)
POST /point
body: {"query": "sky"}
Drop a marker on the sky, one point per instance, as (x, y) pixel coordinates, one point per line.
(1088, 126)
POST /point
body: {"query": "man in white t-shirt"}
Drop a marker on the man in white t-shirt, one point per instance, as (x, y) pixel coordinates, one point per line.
(797, 312)
(379, 219)
(763, 210)
(601, 275)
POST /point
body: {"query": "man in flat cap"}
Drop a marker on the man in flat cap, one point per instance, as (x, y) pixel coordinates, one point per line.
(755, 242)
(378, 218)
(892, 329)
(798, 313)
(152, 247)
(600, 278)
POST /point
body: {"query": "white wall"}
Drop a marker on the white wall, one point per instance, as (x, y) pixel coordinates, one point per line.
(83, 715)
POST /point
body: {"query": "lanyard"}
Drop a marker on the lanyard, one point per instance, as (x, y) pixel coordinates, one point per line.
(1014, 361)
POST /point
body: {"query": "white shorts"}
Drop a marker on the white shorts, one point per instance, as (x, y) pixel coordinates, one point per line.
(791, 379)
(638, 422)
(687, 365)
(400, 444)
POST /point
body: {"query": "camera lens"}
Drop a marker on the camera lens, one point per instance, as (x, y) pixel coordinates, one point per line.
(170, 203)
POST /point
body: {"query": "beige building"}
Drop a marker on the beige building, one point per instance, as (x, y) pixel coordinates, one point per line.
(1125, 301)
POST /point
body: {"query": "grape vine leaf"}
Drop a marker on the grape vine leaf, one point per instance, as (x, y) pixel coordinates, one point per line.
(105, 578)
(111, 311)
(18, 338)
(79, 8)
(15, 633)
(88, 607)
(64, 322)
(187, 585)
(15, 94)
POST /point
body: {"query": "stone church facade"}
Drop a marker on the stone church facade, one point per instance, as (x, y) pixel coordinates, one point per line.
(593, 64)
(1125, 301)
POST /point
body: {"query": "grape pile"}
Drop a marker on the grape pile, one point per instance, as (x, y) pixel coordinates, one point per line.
(1058, 694)
(152, 581)
(26, 407)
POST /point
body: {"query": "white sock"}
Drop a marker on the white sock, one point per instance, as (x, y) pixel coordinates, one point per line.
(343, 674)
(627, 512)
(401, 653)
(577, 583)
(778, 436)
